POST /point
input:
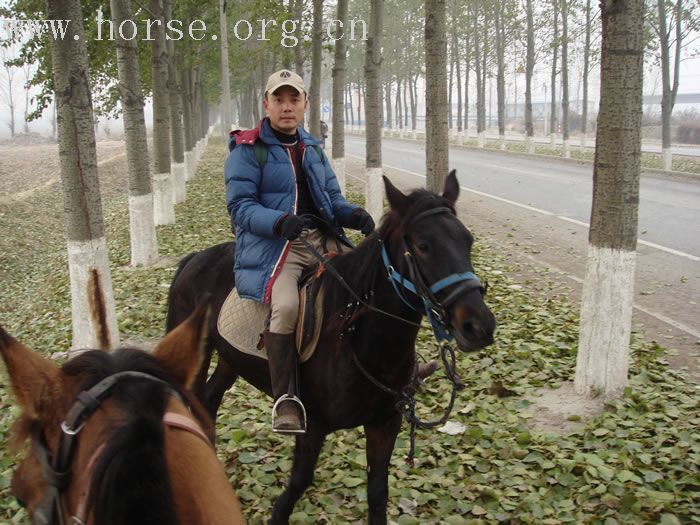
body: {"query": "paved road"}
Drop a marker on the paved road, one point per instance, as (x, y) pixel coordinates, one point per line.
(547, 201)
(669, 210)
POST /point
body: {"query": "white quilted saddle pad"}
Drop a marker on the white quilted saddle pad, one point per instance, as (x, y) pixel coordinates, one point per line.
(242, 321)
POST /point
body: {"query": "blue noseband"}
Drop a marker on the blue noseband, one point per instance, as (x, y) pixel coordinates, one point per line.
(435, 310)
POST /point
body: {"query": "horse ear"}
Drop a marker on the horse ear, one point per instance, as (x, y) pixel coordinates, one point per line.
(397, 200)
(181, 351)
(451, 191)
(35, 380)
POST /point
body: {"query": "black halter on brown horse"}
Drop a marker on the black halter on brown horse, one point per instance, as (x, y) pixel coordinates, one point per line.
(360, 347)
(116, 438)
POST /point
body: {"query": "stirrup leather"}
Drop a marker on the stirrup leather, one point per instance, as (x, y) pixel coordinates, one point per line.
(293, 399)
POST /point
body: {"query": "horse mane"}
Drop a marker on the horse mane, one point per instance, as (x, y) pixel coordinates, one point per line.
(130, 483)
(361, 266)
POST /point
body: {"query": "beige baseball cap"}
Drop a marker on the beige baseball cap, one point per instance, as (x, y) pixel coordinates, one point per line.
(284, 77)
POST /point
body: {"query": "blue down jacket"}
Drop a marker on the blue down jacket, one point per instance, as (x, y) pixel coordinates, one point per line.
(257, 198)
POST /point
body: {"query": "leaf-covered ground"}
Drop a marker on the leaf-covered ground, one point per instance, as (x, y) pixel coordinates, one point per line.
(636, 463)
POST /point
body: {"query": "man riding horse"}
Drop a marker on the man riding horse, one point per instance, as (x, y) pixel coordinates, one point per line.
(279, 183)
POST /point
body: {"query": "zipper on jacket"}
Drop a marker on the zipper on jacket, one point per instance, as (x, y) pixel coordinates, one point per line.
(277, 268)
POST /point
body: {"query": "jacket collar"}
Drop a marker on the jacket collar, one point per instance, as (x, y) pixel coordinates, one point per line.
(268, 137)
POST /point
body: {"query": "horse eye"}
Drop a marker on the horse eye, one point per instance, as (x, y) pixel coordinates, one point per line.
(423, 246)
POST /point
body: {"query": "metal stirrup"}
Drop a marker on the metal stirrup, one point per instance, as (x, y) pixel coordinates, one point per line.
(292, 399)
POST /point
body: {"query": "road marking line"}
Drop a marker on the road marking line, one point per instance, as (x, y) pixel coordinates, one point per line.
(640, 241)
(574, 221)
(660, 317)
(669, 250)
(548, 213)
(668, 320)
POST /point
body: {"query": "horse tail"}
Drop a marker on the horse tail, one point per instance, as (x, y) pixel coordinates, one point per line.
(174, 317)
(181, 265)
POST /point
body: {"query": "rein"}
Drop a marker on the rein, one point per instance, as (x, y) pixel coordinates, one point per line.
(406, 397)
(341, 280)
(437, 314)
(57, 470)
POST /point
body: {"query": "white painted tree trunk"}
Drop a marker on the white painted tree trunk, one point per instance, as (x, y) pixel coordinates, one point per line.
(460, 138)
(88, 267)
(666, 159)
(481, 139)
(502, 142)
(144, 248)
(163, 206)
(339, 169)
(529, 144)
(374, 131)
(193, 161)
(607, 298)
(552, 139)
(179, 176)
(374, 196)
(92, 300)
(144, 243)
(606, 322)
(584, 140)
(566, 151)
(189, 165)
(164, 211)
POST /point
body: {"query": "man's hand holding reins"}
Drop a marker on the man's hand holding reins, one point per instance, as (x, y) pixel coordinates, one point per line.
(361, 220)
(290, 227)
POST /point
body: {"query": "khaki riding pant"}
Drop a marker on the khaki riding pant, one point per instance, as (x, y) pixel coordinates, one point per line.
(285, 290)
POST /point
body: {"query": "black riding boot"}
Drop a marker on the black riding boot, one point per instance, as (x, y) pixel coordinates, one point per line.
(288, 414)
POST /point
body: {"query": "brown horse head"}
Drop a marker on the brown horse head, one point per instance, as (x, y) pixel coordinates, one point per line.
(117, 437)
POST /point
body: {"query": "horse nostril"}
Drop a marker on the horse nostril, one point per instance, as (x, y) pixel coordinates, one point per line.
(472, 328)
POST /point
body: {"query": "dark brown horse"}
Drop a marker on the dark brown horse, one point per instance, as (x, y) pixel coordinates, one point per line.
(117, 438)
(425, 242)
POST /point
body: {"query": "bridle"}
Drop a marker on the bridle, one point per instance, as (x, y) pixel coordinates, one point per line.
(436, 311)
(57, 471)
